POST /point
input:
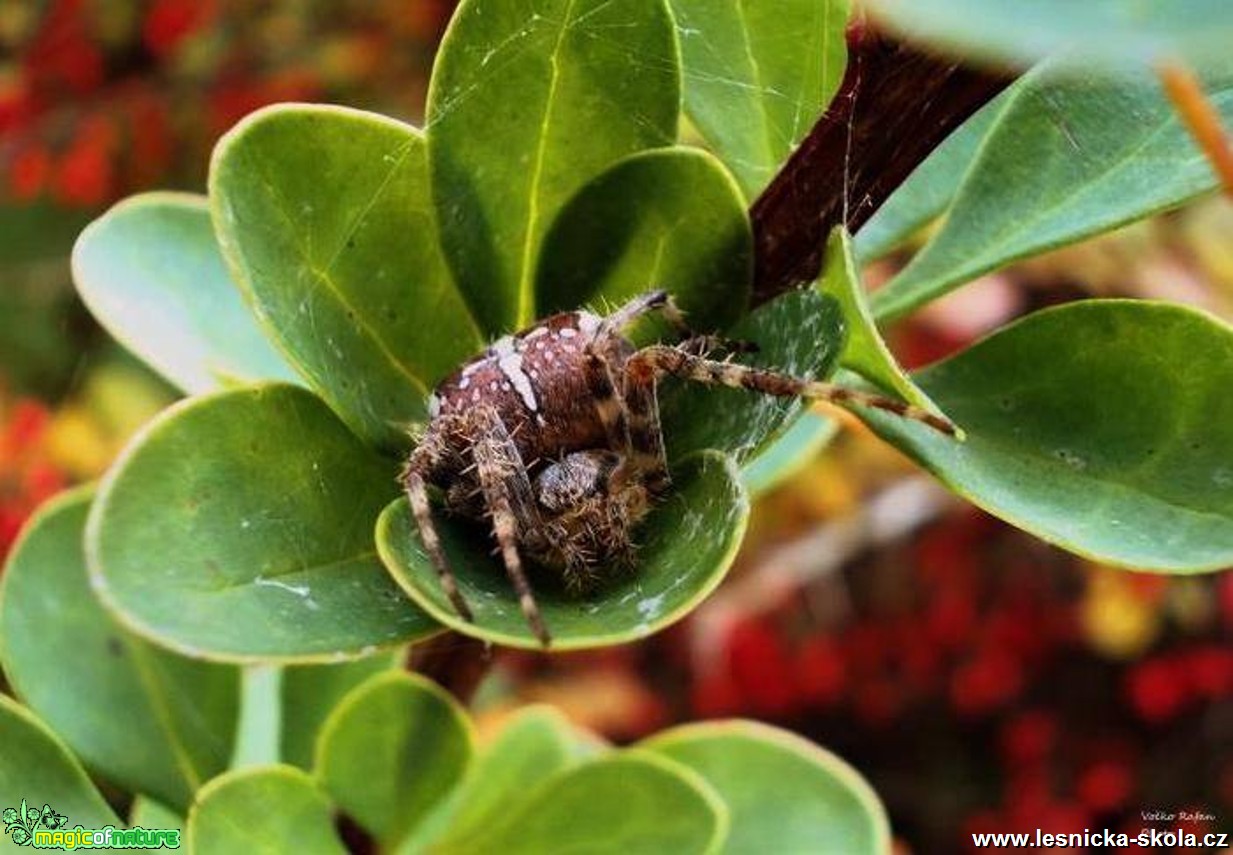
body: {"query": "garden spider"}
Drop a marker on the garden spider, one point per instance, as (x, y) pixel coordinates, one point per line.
(554, 434)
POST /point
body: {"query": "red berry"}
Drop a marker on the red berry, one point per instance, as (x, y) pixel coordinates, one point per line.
(1028, 737)
(1105, 785)
(821, 672)
(1156, 690)
(991, 680)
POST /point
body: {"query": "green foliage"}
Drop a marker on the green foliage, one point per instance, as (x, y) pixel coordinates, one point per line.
(264, 809)
(391, 751)
(262, 525)
(757, 75)
(1068, 157)
(783, 793)
(36, 765)
(526, 106)
(1117, 34)
(1102, 426)
(151, 273)
(263, 548)
(148, 720)
(324, 218)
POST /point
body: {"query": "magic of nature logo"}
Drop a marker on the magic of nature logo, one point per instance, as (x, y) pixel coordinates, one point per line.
(45, 829)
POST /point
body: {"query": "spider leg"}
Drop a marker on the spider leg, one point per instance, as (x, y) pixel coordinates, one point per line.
(417, 494)
(507, 492)
(661, 301)
(629, 411)
(661, 359)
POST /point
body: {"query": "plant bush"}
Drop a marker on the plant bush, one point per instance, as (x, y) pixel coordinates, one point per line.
(343, 262)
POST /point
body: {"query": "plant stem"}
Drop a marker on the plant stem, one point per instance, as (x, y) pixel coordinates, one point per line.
(1200, 118)
(894, 107)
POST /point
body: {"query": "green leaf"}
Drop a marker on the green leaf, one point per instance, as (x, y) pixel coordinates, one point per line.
(238, 527)
(928, 191)
(528, 102)
(1101, 426)
(35, 763)
(151, 272)
(392, 750)
(269, 809)
(628, 802)
(864, 350)
(784, 793)
(310, 692)
(324, 217)
(800, 333)
(535, 744)
(670, 218)
(757, 76)
(686, 546)
(1124, 34)
(145, 719)
(803, 440)
(147, 813)
(1069, 157)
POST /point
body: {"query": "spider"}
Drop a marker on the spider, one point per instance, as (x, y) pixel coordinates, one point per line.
(553, 433)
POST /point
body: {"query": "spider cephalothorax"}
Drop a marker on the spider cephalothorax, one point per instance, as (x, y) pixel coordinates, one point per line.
(554, 435)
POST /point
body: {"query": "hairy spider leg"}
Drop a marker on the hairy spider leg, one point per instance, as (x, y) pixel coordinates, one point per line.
(662, 359)
(629, 412)
(662, 302)
(417, 494)
(500, 469)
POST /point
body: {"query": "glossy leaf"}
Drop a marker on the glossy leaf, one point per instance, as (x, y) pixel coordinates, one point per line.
(534, 744)
(1070, 157)
(1122, 34)
(628, 802)
(686, 546)
(1101, 426)
(784, 793)
(803, 440)
(148, 720)
(310, 692)
(392, 750)
(151, 272)
(757, 75)
(864, 350)
(265, 809)
(800, 333)
(324, 217)
(238, 526)
(928, 191)
(670, 218)
(37, 766)
(528, 102)
(148, 813)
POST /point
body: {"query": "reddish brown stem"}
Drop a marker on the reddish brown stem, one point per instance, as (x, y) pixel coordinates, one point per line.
(894, 107)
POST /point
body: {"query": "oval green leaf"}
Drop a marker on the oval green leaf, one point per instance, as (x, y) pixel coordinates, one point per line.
(787, 455)
(784, 793)
(1101, 426)
(628, 802)
(686, 546)
(144, 718)
(324, 217)
(757, 75)
(267, 809)
(238, 527)
(800, 333)
(310, 692)
(393, 749)
(670, 218)
(928, 191)
(151, 272)
(36, 766)
(1071, 156)
(526, 105)
(1122, 34)
(150, 814)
